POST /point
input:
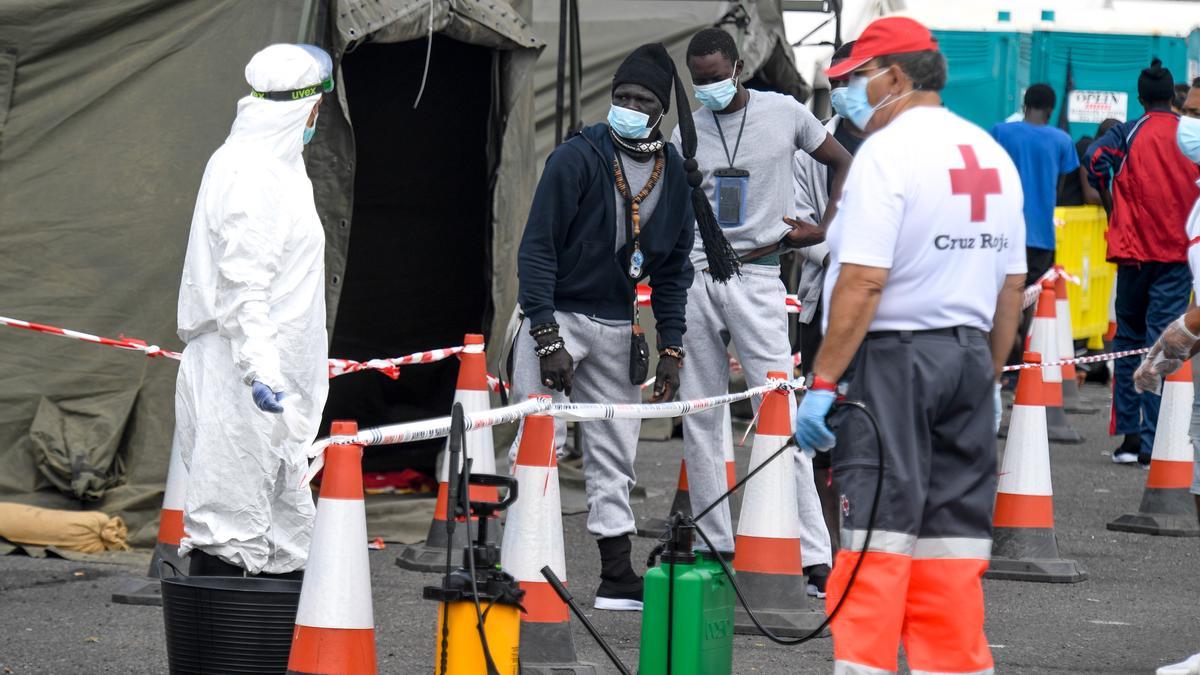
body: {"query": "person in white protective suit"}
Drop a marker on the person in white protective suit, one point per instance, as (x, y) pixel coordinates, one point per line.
(254, 375)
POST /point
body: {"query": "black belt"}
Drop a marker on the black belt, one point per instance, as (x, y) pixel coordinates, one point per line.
(963, 333)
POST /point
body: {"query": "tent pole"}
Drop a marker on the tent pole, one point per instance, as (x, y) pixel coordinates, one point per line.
(576, 68)
(560, 81)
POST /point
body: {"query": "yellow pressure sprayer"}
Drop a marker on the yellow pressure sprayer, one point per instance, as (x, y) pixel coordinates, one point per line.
(479, 621)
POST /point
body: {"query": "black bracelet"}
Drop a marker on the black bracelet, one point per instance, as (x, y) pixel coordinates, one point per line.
(543, 330)
(547, 350)
(673, 352)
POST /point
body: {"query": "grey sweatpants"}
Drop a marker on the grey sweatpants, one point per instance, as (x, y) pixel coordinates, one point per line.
(601, 354)
(750, 312)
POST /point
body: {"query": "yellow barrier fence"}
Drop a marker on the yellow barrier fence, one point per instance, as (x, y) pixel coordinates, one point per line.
(1079, 237)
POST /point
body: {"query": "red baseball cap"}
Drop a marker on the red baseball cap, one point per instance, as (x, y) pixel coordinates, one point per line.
(885, 37)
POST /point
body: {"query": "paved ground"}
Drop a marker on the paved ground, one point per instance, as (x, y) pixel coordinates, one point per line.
(1136, 612)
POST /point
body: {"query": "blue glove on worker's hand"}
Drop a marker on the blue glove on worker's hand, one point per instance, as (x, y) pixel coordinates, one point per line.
(812, 434)
(266, 399)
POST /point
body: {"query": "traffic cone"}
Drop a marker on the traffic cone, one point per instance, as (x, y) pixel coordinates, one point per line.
(1043, 339)
(1024, 547)
(767, 556)
(148, 591)
(653, 528)
(533, 538)
(335, 622)
(1072, 401)
(1167, 506)
(473, 393)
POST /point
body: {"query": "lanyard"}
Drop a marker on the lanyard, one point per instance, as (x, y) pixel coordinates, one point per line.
(738, 143)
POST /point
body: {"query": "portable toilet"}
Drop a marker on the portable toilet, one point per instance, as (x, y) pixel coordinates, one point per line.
(1104, 52)
(988, 72)
(988, 56)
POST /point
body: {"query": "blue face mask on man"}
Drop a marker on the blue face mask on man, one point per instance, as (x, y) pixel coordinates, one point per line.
(718, 95)
(1187, 136)
(629, 123)
(857, 108)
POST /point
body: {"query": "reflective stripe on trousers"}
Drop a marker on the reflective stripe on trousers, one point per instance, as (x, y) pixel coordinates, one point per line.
(920, 582)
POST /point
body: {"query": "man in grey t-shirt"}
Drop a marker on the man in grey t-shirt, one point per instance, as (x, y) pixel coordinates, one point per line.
(746, 142)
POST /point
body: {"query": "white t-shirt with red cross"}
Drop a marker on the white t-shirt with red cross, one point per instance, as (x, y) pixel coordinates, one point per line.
(934, 200)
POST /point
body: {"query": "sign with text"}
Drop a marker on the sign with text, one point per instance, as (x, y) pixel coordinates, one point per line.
(1097, 106)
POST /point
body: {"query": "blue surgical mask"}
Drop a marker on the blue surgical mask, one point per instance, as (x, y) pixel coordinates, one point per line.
(1187, 136)
(858, 109)
(630, 124)
(718, 95)
(837, 98)
(309, 132)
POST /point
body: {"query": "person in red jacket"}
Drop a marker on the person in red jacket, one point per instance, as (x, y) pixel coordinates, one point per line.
(1147, 186)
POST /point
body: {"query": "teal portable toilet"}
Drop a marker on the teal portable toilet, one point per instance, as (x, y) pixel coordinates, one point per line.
(1104, 71)
(988, 72)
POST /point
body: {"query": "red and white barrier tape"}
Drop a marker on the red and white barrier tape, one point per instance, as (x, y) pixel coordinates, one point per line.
(1095, 358)
(391, 367)
(643, 299)
(130, 344)
(423, 430)
(1032, 291)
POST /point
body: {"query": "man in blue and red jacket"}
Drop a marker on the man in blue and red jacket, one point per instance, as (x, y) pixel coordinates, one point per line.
(1147, 186)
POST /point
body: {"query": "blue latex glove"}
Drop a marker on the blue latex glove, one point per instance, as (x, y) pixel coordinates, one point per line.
(265, 399)
(812, 434)
(999, 406)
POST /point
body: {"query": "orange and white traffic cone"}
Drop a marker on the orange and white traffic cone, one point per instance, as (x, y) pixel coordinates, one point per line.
(1043, 339)
(1167, 506)
(767, 556)
(653, 528)
(1072, 401)
(148, 591)
(533, 539)
(475, 396)
(335, 622)
(1024, 547)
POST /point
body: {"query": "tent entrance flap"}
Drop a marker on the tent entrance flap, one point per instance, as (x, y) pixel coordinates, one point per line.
(418, 271)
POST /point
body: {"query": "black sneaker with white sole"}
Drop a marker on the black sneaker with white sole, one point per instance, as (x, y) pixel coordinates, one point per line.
(622, 596)
(817, 576)
(620, 587)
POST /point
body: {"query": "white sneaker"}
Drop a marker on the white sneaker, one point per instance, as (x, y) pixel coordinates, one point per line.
(618, 604)
(1189, 667)
(1124, 458)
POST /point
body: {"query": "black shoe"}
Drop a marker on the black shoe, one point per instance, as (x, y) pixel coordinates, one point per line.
(1128, 451)
(620, 588)
(201, 564)
(817, 576)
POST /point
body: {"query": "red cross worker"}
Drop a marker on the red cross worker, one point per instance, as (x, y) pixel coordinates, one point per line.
(927, 262)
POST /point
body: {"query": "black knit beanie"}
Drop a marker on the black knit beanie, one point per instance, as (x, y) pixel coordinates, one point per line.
(650, 66)
(1155, 84)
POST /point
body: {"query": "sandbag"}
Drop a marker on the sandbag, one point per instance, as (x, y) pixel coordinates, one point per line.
(83, 531)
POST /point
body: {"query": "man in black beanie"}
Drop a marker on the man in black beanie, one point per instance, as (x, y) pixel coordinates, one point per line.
(1147, 186)
(614, 206)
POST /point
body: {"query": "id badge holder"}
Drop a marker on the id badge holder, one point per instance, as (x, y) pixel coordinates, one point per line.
(732, 185)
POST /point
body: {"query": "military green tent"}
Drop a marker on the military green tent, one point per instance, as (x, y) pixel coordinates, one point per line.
(423, 169)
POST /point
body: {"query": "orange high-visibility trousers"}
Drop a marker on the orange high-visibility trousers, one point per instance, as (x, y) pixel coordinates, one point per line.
(920, 582)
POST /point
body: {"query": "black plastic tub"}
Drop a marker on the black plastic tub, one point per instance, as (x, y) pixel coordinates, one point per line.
(228, 624)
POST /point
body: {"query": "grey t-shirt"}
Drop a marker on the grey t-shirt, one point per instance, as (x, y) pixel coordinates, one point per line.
(637, 174)
(777, 126)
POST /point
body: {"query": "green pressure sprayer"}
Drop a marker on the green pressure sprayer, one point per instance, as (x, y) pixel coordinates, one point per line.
(688, 597)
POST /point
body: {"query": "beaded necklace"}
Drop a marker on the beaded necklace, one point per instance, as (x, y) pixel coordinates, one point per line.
(633, 221)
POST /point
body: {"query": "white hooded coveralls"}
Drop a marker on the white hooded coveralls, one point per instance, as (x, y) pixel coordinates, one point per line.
(252, 307)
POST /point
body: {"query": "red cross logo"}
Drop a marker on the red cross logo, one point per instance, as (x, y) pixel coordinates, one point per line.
(974, 181)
